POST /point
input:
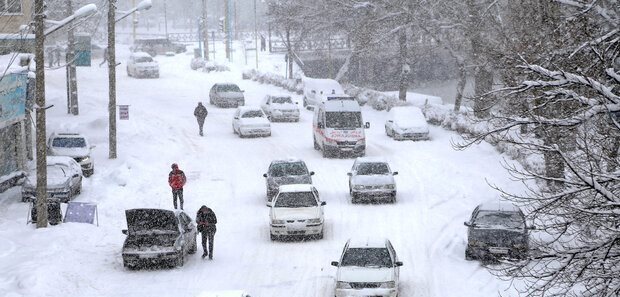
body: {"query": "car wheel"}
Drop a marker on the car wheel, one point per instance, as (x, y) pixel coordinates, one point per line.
(305, 102)
(354, 199)
(79, 189)
(193, 248)
(180, 259)
(320, 236)
(210, 100)
(234, 131)
(128, 73)
(316, 144)
(393, 199)
(325, 152)
(129, 265)
(468, 255)
(273, 237)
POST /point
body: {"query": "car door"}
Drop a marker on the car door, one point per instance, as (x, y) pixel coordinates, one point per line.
(318, 200)
(189, 232)
(394, 260)
(266, 106)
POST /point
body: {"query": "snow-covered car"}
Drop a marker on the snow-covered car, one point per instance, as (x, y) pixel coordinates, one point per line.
(316, 89)
(286, 172)
(296, 210)
(367, 268)
(371, 179)
(156, 236)
(280, 108)
(74, 145)
(226, 94)
(141, 64)
(497, 230)
(407, 123)
(197, 63)
(64, 180)
(250, 121)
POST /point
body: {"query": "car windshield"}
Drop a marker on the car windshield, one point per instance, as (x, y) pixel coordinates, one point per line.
(281, 100)
(144, 59)
(287, 169)
(367, 257)
(69, 142)
(57, 171)
(503, 219)
(373, 169)
(296, 199)
(343, 120)
(252, 114)
(228, 88)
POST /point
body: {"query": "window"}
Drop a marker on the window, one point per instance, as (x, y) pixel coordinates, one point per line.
(512, 220)
(68, 141)
(252, 114)
(367, 257)
(373, 169)
(344, 120)
(282, 100)
(10, 6)
(226, 88)
(296, 199)
(287, 169)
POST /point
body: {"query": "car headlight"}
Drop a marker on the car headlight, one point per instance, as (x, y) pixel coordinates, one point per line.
(86, 159)
(358, 187)
(277, 222)
(387, 285)
(343, 285)
(390, 186)
(314, 221)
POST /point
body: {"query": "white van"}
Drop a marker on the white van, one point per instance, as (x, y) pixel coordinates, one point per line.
(316, 90)
(338, 127)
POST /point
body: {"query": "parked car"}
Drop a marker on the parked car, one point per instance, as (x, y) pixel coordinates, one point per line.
(157, 236)
(74, 145)
(157, 46)
(286, 172)
(371, 179)
(367, 268)
(280, 108)
(250, 121)
(296, 210)
(226, 94)
(406, 123)
(141, 64)
(316, 89)
(497, 230)
(64, 180)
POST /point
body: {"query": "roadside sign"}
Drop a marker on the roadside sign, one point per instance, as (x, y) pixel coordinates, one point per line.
(123, 112)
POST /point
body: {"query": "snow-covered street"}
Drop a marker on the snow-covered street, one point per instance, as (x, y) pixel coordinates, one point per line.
(438, 188)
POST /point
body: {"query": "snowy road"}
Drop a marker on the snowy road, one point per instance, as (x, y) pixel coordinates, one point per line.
(437, 189)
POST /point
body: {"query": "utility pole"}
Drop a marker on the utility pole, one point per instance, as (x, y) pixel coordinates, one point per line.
(165, 19)
(41, 202)
(205, 31)
(255, 35)
(112, 77)
(227, 29)
(404, 72)
(134, 21)
(71, 71)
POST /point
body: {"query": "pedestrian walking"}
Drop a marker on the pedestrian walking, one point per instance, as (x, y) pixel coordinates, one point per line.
(200, 112)
(176, 180)
(262, 43)
(50, 56)
(105, 56)
(206, 220)
(57, 55)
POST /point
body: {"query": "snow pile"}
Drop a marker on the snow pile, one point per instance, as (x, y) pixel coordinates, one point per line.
(290, 84)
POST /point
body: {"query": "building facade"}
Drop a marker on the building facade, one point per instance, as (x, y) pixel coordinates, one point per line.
(13, 15)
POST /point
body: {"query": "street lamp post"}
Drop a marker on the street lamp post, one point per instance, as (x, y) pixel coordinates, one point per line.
(112, 19)
(41, 150)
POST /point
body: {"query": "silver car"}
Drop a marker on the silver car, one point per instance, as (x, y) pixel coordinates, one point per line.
(371, 179)
(226, 95)
(74, 145)
(286, 172)
(64, 180)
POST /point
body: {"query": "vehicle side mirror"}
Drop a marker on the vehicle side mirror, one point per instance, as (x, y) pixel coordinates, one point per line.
(531, 227)
(93, 146)
(313, 92)
(398, 264)
(242, 91)
(268, 204)
(311, 172)
(236, 118)
(390, 121)
(320, 125)
(264, 174)
(296, 102)
(335, 263)
(323, 203)
(467, 224)
(367, 126)
(395, 173)
(267, 103)
(76, 175)
(124, 231)
(349, 174)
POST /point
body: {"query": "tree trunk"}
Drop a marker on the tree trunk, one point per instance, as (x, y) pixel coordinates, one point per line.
(404, 73)
(71, 71)
(483, 84)
(460, 87)
(289, 48)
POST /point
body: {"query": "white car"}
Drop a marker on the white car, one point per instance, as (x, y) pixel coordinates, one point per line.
(367, 268)
(64, 180)
(407, 122)
(251, 121)
(73, 145)
(296, 210)
(141, 64)
(371, 178)
(280, 108)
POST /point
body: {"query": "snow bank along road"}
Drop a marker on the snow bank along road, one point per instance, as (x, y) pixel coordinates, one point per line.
(437, 189)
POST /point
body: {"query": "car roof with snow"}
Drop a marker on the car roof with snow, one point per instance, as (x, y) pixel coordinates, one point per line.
(296, 188)
(368, 242)
(342, 105)
(499, 206)
(370, 160)
(244, 109)
(140, 55)
(287, 160)
(62, 160)
(66, 134)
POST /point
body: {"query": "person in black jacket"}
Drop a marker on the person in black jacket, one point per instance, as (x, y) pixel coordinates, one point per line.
(206, 220)
(200, 112)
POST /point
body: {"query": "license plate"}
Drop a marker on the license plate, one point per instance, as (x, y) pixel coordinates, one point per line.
(296, 232)
(502, 251)
(148, 256)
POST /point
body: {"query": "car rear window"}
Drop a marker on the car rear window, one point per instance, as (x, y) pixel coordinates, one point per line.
(282, 100)
(228, 88)
(287, 169)
(296, 199)
(499, 219)
(144, 60)
(252, 114)
(69, 142)
(373, 169)
(367, 257)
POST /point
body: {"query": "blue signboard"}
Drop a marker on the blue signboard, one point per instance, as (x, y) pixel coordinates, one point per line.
(12, 98)
(81, 212)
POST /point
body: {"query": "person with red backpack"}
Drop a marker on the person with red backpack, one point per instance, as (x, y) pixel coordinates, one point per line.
(176, 180)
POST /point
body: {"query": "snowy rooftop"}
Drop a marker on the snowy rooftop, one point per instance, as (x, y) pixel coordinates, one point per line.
(141, 55)
(367, 242)
(499, 205)
(296, 188)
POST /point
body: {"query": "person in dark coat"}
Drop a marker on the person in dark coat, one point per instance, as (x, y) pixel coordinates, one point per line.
(176, 180)
(262, 43)
(200, 112)
(206, 220)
